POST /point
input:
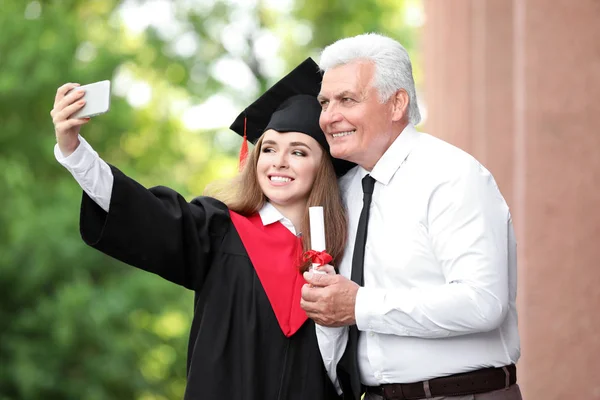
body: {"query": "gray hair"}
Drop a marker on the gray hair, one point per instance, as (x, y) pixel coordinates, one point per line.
(393, 69)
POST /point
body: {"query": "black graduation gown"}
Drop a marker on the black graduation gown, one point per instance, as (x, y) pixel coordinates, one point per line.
(237, 349)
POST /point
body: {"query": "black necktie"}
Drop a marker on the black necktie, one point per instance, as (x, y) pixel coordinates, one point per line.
(347, 370)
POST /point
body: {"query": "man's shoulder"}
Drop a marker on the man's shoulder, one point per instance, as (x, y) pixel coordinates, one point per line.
(442, 155)
(444, 162)
(436, 145)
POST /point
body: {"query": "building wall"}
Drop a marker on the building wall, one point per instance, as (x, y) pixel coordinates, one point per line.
(517, 84)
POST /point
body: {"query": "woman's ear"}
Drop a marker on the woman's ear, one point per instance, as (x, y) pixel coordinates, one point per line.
(400, 105)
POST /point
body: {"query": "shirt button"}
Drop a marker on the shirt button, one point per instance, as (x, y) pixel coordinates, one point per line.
(371, 334)
(378, 375)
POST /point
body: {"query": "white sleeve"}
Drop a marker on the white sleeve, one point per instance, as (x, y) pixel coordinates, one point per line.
(468, 227)
(91, 172)
(332, 344)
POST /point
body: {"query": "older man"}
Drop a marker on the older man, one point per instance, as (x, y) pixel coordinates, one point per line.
(429, 312)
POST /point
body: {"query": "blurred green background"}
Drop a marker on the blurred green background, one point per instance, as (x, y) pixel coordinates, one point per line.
(75, 324)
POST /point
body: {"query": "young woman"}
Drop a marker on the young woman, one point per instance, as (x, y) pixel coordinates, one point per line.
(249, 337)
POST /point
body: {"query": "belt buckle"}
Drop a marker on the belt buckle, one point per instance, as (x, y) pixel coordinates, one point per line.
(395, 392)
(391, 393)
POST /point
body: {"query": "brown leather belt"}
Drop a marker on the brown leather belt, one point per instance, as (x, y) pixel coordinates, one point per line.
(474, 382)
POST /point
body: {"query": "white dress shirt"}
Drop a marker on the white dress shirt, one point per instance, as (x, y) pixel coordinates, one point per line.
(95, 177)
(440, 272)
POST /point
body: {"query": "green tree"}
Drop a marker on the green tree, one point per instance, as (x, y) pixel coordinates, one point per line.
(75, 324)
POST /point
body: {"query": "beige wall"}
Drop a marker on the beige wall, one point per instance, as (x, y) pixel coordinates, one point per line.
(517, 84)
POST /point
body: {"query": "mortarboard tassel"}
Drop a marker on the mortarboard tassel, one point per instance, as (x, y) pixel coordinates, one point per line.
(244, 148)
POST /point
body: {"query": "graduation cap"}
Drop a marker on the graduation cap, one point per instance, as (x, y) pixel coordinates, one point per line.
(290, 105)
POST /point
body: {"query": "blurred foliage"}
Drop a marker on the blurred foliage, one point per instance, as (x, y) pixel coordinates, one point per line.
(75, 324)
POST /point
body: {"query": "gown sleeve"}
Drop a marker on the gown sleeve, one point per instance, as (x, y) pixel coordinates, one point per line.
(156, 230)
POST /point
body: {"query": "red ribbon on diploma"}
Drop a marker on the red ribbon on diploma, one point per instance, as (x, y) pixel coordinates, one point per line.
(317, 257)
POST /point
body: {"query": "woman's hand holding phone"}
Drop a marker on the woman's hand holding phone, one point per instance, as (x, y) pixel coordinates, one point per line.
(66, 103)
(74, 105)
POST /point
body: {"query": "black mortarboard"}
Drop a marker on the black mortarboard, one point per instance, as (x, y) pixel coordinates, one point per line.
(290, 105)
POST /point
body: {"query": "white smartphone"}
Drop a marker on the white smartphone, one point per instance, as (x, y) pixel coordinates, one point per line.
(97, 99)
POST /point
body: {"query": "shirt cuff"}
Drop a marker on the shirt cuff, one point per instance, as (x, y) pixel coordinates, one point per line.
(332, 344)
(331, 333)
(329, 339)
(80, 160)
(368, 301)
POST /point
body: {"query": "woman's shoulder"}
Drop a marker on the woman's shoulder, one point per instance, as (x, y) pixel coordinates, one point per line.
(210, 202)
(214, 211)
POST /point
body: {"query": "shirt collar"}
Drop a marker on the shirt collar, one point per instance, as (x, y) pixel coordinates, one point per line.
(269, 215)
(395, 155)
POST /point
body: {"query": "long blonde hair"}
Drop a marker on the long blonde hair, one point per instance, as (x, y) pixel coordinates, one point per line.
(243, 195)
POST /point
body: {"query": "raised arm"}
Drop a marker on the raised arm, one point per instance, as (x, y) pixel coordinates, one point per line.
(153, 229)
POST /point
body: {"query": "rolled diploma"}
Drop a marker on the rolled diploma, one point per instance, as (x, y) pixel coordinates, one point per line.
(317, 232)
